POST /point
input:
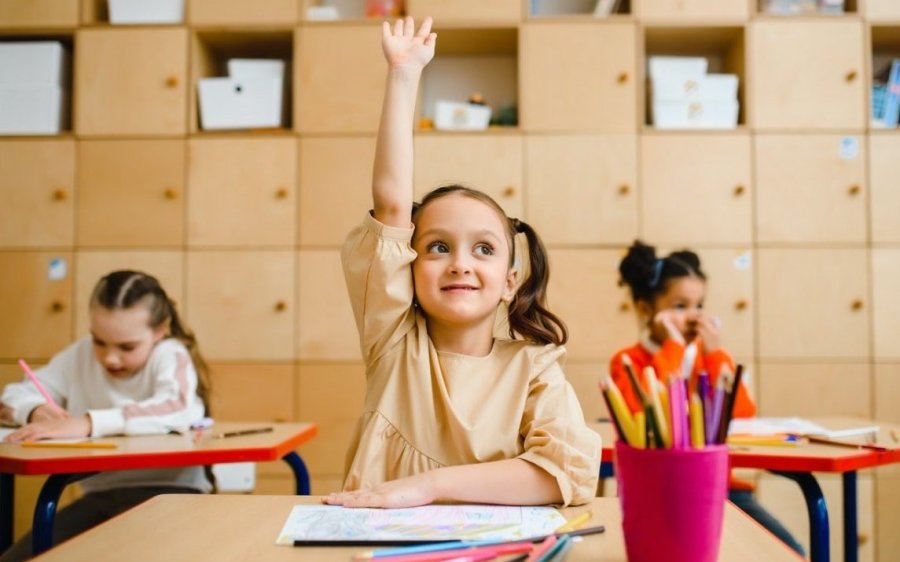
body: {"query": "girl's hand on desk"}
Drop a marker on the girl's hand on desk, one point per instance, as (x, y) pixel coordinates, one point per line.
(411, 491)
(45, 412)
(67, 428)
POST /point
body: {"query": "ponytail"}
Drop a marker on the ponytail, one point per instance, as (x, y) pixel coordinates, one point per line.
(647, 275)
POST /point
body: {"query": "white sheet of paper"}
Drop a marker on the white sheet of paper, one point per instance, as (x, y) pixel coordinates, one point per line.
(438, 522)
(771, 426)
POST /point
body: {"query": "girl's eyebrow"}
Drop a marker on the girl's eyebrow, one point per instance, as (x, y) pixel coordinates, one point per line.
(97, 339)
(441, 232)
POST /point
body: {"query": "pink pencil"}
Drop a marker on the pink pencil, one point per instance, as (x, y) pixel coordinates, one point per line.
(542, 548)
(446, 555)
(39, 386)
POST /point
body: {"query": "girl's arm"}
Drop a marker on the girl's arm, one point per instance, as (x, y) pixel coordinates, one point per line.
(407, 52)
(508, 482)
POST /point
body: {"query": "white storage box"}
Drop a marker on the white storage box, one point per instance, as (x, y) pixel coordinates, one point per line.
(709, 87)
(146, 11)
(229, 103)
(34, 63)
(33, 110)
(34, 87)
(699, 114)
(455, 116)
(245, 69)
(662, 67)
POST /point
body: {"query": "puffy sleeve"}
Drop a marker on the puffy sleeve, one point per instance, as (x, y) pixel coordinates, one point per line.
(376, 260)
(173, 402)
(555, 435)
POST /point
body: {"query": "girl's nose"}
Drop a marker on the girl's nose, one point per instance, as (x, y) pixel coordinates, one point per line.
(460, 264)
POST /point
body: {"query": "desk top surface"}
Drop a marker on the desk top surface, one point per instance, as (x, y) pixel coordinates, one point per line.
(806, 457)
(225, 527)
(157, 451)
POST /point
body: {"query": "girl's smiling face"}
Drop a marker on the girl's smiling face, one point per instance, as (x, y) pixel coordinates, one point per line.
(123, 338)
(461, 272)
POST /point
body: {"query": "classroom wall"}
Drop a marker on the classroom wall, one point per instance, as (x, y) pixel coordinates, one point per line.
(793, 212)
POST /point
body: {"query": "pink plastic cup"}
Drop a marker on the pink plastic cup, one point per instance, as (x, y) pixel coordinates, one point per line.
(672, 502)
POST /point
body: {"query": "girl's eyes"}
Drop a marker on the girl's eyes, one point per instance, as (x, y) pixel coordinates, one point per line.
(437, 248)
(484, 249)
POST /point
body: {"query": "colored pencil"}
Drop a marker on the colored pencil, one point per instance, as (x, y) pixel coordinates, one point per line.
(443, 555)
(554, 549)
(241, 432)
(541, 549)
(847, 444)
(574, 523)
(70, 444)
(40, 386)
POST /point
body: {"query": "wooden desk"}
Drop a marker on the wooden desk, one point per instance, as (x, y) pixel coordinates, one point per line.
(219, 528)
(798, 464)
(158, 451)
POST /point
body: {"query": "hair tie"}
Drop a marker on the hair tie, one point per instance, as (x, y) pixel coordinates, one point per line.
(657, 273)
(517, 224)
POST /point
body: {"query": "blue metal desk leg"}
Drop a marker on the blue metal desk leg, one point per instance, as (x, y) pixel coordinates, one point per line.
(7, 503)
(851, 540)
(300, 472)
(818, 513)
(45, 509)
(606, 470)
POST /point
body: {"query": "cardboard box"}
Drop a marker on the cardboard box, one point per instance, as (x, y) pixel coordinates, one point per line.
(145, 11)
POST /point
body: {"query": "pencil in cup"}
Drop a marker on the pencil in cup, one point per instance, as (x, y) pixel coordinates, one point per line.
(39, 386)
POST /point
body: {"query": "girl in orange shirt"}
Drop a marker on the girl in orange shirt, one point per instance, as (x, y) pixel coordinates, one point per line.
(668, 294)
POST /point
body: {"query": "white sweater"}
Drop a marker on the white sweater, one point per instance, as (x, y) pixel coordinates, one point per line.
(154, 401)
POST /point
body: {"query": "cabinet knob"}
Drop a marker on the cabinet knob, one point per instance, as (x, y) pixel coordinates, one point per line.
(280, 306)
(739, 190)
(857, 304)
(624, 306)
(741, 304)
(509, 191)
(171, 81)
(854, 189)
(57, 306)
(850, 76)
(622, 77)
(170, 193)
(624, 189)
(281, 193)
(60, 194)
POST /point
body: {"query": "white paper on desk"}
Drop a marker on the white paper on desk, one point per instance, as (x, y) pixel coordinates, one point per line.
(772, 426)
(437, 522)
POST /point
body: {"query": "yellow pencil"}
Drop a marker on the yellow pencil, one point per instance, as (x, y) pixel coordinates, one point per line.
(656, 398)
(621, 411)
(574, 523)
(71, 444)
(640, 429)
(695, 410)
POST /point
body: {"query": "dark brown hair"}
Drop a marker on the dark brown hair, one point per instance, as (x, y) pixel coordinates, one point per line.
(125, 289)
(529, 317)
(647, 275)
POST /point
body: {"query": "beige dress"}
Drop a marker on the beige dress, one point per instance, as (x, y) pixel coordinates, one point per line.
(427, 409)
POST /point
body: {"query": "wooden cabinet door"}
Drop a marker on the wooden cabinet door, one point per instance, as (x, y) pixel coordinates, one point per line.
(91, 265)
(335, 179)
(241, 304)
(131, 193)
(326, 329)
(813, 304)
(692, 10)
(37, 186)
(494, 11)
(488, 162)
(696, 189)
(884, 151)
(810, 188)
(578, 77)
(815, 389)
(131, 82)
(584, 293)
(36, 300)
(331, 97)
(886, 302)
(807, 74)
(17, 14)
(882, 10)
(241, 191)
(253, 392)
(582, 189)
(730, 296)
(241, 12)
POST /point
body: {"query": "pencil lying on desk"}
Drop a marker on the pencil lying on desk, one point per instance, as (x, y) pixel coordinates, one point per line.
(848, 444)
(240, 432)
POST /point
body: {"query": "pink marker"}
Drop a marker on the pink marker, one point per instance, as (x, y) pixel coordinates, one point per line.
(40, 387)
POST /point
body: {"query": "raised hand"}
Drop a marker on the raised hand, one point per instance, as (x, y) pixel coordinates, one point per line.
(404, 47)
